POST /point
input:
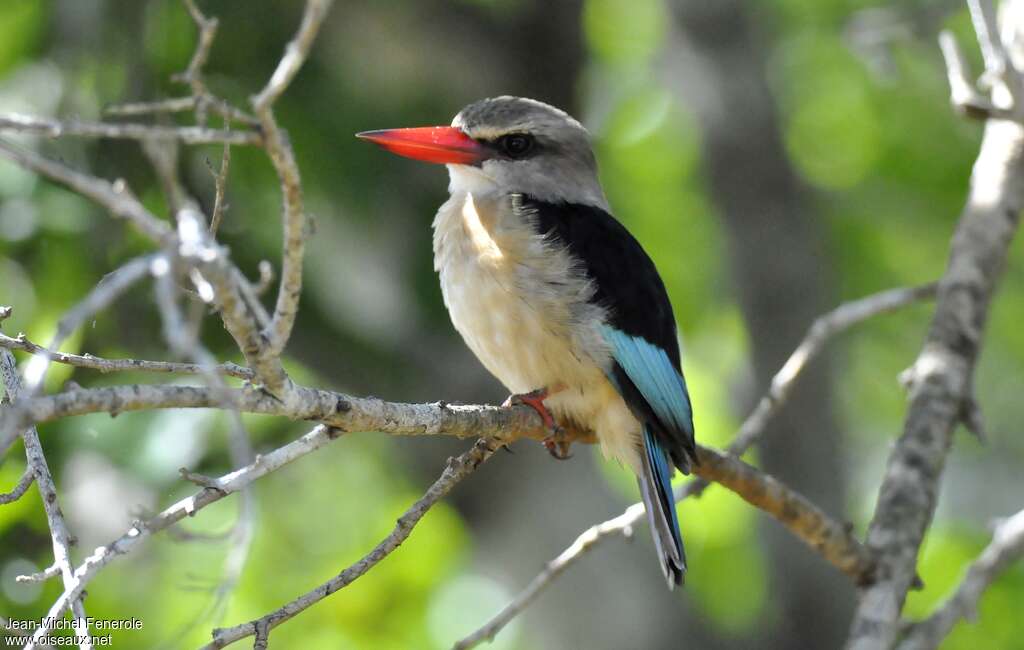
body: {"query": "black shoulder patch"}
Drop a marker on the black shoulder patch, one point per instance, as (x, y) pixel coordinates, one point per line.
(626, 280)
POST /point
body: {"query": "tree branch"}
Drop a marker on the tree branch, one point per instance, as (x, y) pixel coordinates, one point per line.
(103, 294)
(119, 365)
(457, 469)
(115, 197)
(940, 380)
(187, 507)
(59, 535)
(345, 412)
(22, 124)
(830, 539)
(1007, 547)
(19, 489)
(279, 149)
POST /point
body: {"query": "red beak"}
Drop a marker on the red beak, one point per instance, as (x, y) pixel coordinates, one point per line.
(436, 144)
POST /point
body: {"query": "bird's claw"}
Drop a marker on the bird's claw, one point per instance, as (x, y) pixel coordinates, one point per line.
(535, 400)
(555, 443)
(557, 447)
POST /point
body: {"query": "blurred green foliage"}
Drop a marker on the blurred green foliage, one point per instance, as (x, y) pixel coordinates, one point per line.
(870, 133)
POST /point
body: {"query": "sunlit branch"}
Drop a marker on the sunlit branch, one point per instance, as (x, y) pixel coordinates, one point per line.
(940, 381)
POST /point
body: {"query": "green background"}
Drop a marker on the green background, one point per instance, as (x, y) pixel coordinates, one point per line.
(882, 164)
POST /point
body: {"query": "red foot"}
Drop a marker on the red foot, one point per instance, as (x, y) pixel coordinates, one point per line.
(535, 399)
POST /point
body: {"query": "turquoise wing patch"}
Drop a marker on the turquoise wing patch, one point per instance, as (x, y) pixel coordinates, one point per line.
(652, 372)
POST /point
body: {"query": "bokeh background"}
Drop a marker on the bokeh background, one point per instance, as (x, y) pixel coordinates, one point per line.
(775, 159)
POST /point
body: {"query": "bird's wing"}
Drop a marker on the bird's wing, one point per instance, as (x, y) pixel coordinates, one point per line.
(641, 330)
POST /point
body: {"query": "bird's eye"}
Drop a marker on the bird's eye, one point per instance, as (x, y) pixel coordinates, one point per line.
(516, 145)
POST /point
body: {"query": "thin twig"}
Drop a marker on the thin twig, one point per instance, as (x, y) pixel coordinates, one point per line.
(181, 105)
(189, 506)
(182, 342)
(119, 365)
(279, 149)
(457, 469)
(170, 105)
(103, 294)
(115, 197)
(49, 572)
(220, 180)
(19, 489)
(1006, 547)
(963, 95)
(193, 75)
(227, 289)
(59, 535)
(240, 317)
(821, 331)
(28, 124)
(830, 539)
(266, 278)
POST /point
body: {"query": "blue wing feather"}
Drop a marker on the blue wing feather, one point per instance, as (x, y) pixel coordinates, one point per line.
(663, 389)
(654, 375)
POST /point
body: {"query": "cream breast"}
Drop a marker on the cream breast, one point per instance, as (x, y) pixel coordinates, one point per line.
(523, 309)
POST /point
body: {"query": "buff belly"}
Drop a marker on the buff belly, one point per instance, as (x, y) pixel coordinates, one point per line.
(507, 298)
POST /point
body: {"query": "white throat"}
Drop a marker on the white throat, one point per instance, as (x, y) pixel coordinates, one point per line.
(553, 188)
(467, 179)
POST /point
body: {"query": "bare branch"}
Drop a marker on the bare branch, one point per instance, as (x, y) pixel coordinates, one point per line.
(170, 105)
(345, 412)
(102, 295)
(59, 535)
(119, 365)
(984, 19)
(181, 105)
(184, 343)
(225, 485)
(821, 331)
(220, 181)
(279, 150)
(295, 54)
(51, 571)
(1007, 547)
(193, 75)
(19, 489)
(940, 380)
(832, 540)
(115, 197)
(237, 311)
(457, 469)
(963, 95)
(26, 124)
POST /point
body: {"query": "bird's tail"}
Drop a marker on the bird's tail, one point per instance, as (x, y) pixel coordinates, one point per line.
(656, 487)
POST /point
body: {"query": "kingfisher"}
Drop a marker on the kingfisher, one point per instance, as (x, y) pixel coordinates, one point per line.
(554, 296)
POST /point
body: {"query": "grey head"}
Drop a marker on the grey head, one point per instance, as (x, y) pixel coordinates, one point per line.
(533, 148)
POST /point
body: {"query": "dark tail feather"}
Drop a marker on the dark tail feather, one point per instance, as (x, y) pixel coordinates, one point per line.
(656, 487)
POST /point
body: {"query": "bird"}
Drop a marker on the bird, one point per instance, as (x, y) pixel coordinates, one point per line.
(555, 297)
